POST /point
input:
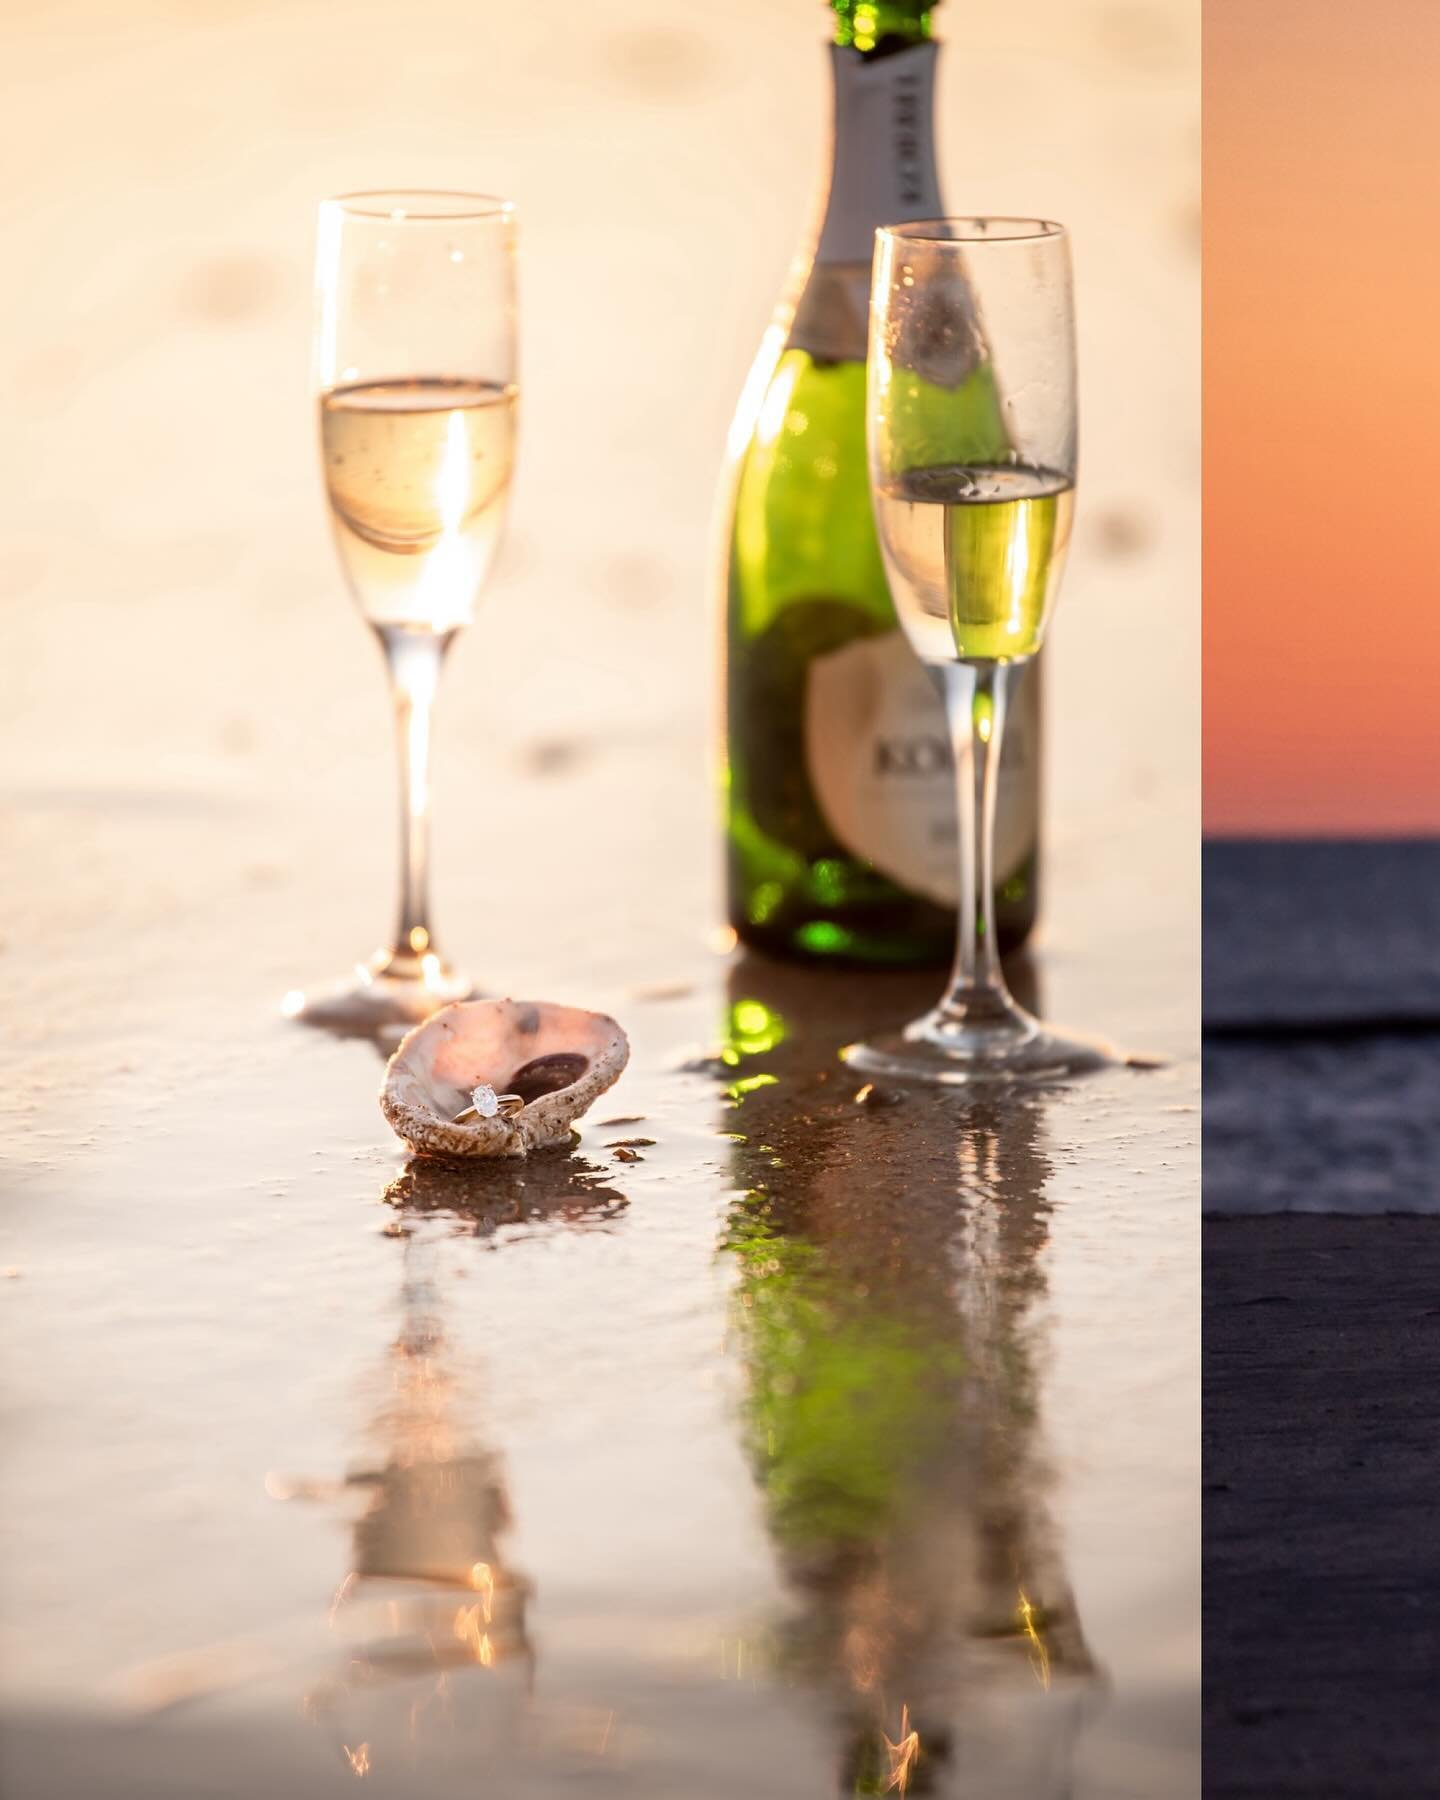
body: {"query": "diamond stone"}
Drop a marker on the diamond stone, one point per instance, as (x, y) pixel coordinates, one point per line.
(485, 1101)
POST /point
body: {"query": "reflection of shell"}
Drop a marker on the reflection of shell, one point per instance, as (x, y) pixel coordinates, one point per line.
(563, 1190)
(559, 1059)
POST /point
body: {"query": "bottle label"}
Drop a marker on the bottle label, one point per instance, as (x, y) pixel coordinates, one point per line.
(878, 753)
(883, 167)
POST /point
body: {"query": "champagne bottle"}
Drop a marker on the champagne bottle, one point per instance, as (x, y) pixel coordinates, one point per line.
(839, 792)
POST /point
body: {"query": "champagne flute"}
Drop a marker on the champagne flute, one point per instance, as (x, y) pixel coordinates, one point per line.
(415, 369)
(971, 319)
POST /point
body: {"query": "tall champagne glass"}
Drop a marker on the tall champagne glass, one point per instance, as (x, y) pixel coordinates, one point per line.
(415, 370)
(969, 317)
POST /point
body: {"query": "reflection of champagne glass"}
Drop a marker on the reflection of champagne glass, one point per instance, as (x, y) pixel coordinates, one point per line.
(415, 367)
(431, 1602)
(964, 311)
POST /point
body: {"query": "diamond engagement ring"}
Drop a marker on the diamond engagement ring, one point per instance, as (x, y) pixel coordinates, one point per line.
(485, 1103)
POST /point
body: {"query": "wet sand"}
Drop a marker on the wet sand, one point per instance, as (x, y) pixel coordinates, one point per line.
(245, 1347)
(1322, 1563)
(784, 1427)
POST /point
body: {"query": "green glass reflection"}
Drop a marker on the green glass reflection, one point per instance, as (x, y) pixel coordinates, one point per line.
(844, 1404)
(888, 1276)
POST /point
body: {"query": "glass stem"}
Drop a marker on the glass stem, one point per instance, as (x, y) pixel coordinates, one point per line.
(976, 697)
(413, 659)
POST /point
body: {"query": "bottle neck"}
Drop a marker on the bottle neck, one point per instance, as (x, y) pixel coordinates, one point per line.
(876, 27)
(883, 163)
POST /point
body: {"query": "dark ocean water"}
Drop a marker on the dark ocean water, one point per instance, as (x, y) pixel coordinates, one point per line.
(1322, 1015)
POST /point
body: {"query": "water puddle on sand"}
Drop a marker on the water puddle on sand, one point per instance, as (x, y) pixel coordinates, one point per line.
(734, 1449)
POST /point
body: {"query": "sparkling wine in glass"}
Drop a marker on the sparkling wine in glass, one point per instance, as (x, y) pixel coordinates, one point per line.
(415, 367)
(970, 317)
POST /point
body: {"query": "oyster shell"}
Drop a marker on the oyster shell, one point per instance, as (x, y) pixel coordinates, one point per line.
(559, 1059)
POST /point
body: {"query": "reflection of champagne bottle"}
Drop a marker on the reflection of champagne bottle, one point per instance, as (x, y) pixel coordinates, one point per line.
(840, 799)
(887, 1328)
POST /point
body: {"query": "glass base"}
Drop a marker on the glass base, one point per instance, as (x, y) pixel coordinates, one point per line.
(384, 998)
(1002, 1046)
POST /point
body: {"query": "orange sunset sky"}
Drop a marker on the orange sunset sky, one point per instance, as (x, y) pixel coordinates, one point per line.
(1322, 414)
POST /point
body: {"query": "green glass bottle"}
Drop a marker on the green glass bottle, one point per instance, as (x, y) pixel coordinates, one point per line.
(839, 796)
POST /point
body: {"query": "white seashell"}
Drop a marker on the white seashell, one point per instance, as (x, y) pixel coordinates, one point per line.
(559, 1059)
